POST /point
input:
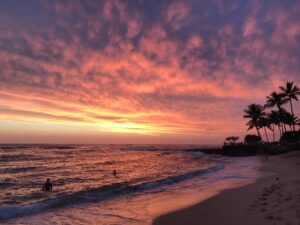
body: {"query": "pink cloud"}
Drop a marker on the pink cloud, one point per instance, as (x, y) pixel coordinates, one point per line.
(178, 72)
(176, 14)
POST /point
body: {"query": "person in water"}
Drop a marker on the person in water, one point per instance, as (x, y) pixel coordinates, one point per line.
(115, 173)
(47, 186)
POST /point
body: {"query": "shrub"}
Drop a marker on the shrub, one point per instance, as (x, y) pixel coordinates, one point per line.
(252, 139)
(290, 137)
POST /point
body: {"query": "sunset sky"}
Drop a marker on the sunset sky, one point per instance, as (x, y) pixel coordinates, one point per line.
(152, 71)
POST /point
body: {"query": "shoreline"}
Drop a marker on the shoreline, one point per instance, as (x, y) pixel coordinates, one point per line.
(266, 201)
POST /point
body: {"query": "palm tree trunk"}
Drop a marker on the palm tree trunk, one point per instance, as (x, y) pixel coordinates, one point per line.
(279, 128)
(273, 132)
(292, 111)
(258, 133)
(266, 134)
(284, 126)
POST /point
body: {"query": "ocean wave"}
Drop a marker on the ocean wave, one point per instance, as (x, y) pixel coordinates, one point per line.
(19, 169)
(107, 163)
(57, 146)
(97, 194)
(15, 157)
(19, 157)
(168, 147)
(141, 148)
(13, 147)
(6, 183)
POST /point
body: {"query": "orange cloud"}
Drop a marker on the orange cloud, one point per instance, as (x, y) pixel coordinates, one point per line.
(156, 68)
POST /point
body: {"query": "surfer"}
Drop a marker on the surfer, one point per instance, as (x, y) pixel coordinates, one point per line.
(47, 186)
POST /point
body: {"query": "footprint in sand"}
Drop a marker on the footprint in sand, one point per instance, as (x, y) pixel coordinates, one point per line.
(270, 217)
(252, 206)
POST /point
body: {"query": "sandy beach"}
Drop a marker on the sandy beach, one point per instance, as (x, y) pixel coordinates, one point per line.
(272, 199)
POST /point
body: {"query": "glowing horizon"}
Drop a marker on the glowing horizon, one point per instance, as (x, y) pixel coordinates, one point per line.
(142, 71)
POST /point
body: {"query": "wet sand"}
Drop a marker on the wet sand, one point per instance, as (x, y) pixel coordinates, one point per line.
(273, 199)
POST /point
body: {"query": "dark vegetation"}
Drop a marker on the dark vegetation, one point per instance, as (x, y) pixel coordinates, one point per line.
(271, 118)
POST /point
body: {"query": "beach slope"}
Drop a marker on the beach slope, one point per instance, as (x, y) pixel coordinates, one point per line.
(273, 199)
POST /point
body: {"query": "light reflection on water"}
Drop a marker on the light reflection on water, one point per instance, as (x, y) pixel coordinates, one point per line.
(151, 180)
(24, 170)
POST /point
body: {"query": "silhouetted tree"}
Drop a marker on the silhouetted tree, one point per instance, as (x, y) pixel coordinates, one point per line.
(255, 112)
(290, 137)
(290, 92)
(276, 99)
(232, 139)
(281, 118)
(252, 139)
(265, 122)
(290, 120)
(298, 123)
(275, 121)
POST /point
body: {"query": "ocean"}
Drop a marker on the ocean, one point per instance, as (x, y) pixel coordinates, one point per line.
(150, 180)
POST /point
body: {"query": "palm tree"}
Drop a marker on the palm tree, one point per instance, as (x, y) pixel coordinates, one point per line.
(298, 123)
(275, 99)
(275, 121)
(255, 112)
(265, 122)
(283, 118)
(290, 120)
(290, 92)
